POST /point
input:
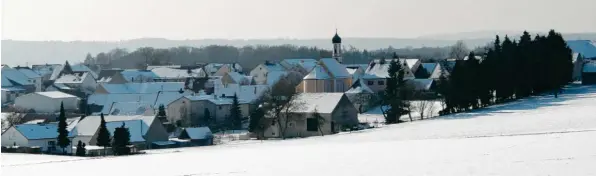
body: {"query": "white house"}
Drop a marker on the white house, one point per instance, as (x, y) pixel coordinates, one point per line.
(47, 102)
(14, 80)
(34, 135)
(376, 74)
(83, 81)
(262, 71)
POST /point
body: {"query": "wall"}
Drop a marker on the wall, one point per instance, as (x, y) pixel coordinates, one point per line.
(155, 133)
(297, 126)
(376, 87)
(12, 136)
(173, 109)
(258, 74)
(37, 102)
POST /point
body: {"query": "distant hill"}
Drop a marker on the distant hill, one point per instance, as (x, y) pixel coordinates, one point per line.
(38, 52)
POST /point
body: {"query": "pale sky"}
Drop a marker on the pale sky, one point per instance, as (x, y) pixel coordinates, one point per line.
(248, 19)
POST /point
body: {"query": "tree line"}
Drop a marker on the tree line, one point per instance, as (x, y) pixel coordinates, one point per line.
(509, 70)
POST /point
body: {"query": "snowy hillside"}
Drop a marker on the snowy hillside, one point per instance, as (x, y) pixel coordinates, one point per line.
(537, 136)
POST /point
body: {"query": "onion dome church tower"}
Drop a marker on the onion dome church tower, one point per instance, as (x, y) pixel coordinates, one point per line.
(336, 47)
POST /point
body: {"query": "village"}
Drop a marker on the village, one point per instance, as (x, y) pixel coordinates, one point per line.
(171, 106)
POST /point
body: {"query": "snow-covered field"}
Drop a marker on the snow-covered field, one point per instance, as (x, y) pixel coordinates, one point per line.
(537, 136)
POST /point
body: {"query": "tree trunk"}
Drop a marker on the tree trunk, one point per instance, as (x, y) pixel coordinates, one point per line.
(409, 114)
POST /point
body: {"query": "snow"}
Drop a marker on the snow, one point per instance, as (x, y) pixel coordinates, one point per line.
(307, 64)
(89, 125)
(129, 75)
(317, 73)
(71, 78)
(334, 68)
(274, 76)
(29, 73)
(411, 62)
(590, 67)
(377, 70)
(535, 136)
(55, 94)
(136, 128)
(429, 67)
(359, 87)
(198, 132)
(14, 75)
(421, 84)
(165, 72)
(323, 102)
(130, 108)
(351, 71)
(146, 87)
(38, 131)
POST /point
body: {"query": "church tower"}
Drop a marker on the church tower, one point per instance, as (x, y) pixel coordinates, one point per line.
(336, 47)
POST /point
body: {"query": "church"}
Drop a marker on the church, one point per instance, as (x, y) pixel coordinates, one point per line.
(329, 75)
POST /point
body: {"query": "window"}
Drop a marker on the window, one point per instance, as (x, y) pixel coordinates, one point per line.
(219, 107)
(381, 82)
(370, 83)
(312, 124)
(51, 143)
(291, 124)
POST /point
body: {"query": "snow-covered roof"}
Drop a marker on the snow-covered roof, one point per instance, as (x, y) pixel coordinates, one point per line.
(131, 74)
(429, 67)
(150, 67)
(589, 67)
(29, 73)
(351, 71)
(45, 69)
(89, 125)
(377, 70)
(356, 66)
(307, 64)
(136, 128)
(198, 132)
(237, 77)
(155, 99)
(15, 76)
(75, 68)
(38, 131)
(198, 97)
(72, 78)
(130, 108)
(146, 87)
(273, 67)
(323, 102)
(317, 73)
(165, 72)
(55, 94)
(225, 101)
(411, 62)
(14, 88)
(334, 68)
(586, 48)
(359, 87)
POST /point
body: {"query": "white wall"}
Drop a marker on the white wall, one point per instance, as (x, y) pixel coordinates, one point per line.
(259, 74)
(45, 104)
(4, 98)
(12, 136)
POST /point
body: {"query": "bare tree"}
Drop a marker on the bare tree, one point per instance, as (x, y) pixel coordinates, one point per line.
(423, 106)
(459, 50)
(320, 120)
(430, 109)
(14, 118)
(279, 102)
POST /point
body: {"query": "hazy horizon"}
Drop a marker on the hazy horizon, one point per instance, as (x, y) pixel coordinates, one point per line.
(112, 20)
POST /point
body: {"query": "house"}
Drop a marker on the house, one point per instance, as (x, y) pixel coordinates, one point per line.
(134, 76)
(190, 110)
(376, 73)
(144, 130)
(361, 96)
(586, 48)
(199, 136)
(47, 102)
(104, 103)
(32, 75)
(34, 135)
(140, 88)
(218, 69)
(589, 73)
(45, 70)
(261, 73)
(413, 64)
(328, 76)
(14, 80)
(235, 78)
(302, 65)
(428, 70)
(131, 108)
(82, 82)
(78, 68)
(335, 108)
(578, 63)
(11, 88)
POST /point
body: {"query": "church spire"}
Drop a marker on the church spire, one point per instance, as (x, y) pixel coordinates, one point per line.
(336, 40)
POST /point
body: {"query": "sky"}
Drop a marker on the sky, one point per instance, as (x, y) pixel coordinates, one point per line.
(112, 20)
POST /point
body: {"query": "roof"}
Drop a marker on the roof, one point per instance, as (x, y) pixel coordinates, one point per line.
(336, 38)
(108, 73)
(198, 132)
(589, 67)
(351, 71)
(136, 129)
(429, 67)
(154, 99)
(421, 84)
(29, 73)
(15, 76)
(323, 102)
(359, 87)
(130, 108)
(72, 78)
(150, 67)
(307, 64)
(318, 73)
(75, 68)
(90, 124)
(38, 131)
(411, 62)
(237, 77)
(131, 74)
(198, 97)
(377, 70)
(356, 66)
(55, 94)
(146, 87)
(273, 67)
(586, 48)
(274, 76)
(165, 72)
(334, 68)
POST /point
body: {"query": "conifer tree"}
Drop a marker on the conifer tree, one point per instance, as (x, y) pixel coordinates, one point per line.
(67, 68)
(121, 140)
(62, 139)
(103, 136)
(81, 151)
(472, 79)
(523, 66)
(255, 123)
(391, 96)
(236, 114)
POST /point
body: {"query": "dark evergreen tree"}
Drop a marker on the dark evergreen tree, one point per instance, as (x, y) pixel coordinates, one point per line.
(523, 66)
(391, 95)
(488, 77)
(161, 111)
(67, 69)
(256, 118)
(121, 140)
(62, 139)
(81, 151)
(472, 80)
(236, 114)
(103, 136)
(559, 60)
(444, 91)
